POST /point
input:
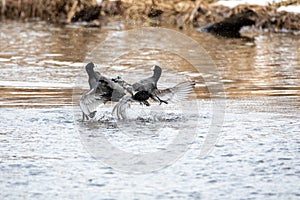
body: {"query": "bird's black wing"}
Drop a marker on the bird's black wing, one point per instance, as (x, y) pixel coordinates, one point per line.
(111, 90)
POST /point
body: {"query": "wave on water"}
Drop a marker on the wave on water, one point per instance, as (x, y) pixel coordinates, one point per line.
(141, 114)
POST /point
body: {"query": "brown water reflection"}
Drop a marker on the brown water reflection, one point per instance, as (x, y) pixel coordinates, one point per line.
(267, 67)
(40, 63)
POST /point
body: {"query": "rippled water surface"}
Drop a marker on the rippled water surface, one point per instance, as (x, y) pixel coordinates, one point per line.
(47, 152)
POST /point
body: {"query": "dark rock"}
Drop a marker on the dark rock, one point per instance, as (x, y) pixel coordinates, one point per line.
(155, 13)
(230, 27)
(88, 14)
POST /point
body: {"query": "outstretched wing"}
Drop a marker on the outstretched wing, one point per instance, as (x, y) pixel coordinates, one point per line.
(179, 92)
(89, 103)
(121, 106)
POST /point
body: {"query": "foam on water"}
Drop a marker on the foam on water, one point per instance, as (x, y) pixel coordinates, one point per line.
(42, 152)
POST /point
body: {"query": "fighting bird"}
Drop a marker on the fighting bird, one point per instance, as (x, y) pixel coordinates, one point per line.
(94, 76)
(102, 90)
(146, 89)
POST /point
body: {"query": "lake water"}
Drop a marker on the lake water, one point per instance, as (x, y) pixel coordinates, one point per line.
(47, 152)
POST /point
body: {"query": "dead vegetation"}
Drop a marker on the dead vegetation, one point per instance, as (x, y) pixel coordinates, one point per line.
(159, 12)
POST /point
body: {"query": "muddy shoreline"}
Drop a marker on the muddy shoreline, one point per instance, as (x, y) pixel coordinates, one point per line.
(180, 13)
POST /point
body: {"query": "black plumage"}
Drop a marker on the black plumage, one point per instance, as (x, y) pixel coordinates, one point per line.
(142, 90)
(102, 90)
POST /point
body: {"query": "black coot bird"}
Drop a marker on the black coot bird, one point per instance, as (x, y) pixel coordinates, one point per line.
(230, 27)
(102, 90)
(93, 76)
(142, 90)
(146, 88)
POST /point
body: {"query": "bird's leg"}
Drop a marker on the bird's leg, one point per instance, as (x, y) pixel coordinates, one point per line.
(117, 80)
(146, 103)
(120, 81)
(160, 100)
(156, 98)
(92, 115)
(84, 116)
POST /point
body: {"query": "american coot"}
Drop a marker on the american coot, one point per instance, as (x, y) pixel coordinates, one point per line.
(92, 80)
(93, 76)
(142, 90)
(179, 92)
(102, 90)
(146, 88)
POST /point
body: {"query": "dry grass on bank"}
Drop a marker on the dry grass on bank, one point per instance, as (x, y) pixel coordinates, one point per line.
(176, 12)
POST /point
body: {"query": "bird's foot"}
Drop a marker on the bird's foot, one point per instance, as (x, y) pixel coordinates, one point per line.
(162, 101)
(146, 103)
(116, 80)
(92, 115)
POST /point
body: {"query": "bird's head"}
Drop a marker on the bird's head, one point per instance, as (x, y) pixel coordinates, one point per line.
(156, 69)
(157, 72)
(90, 66)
